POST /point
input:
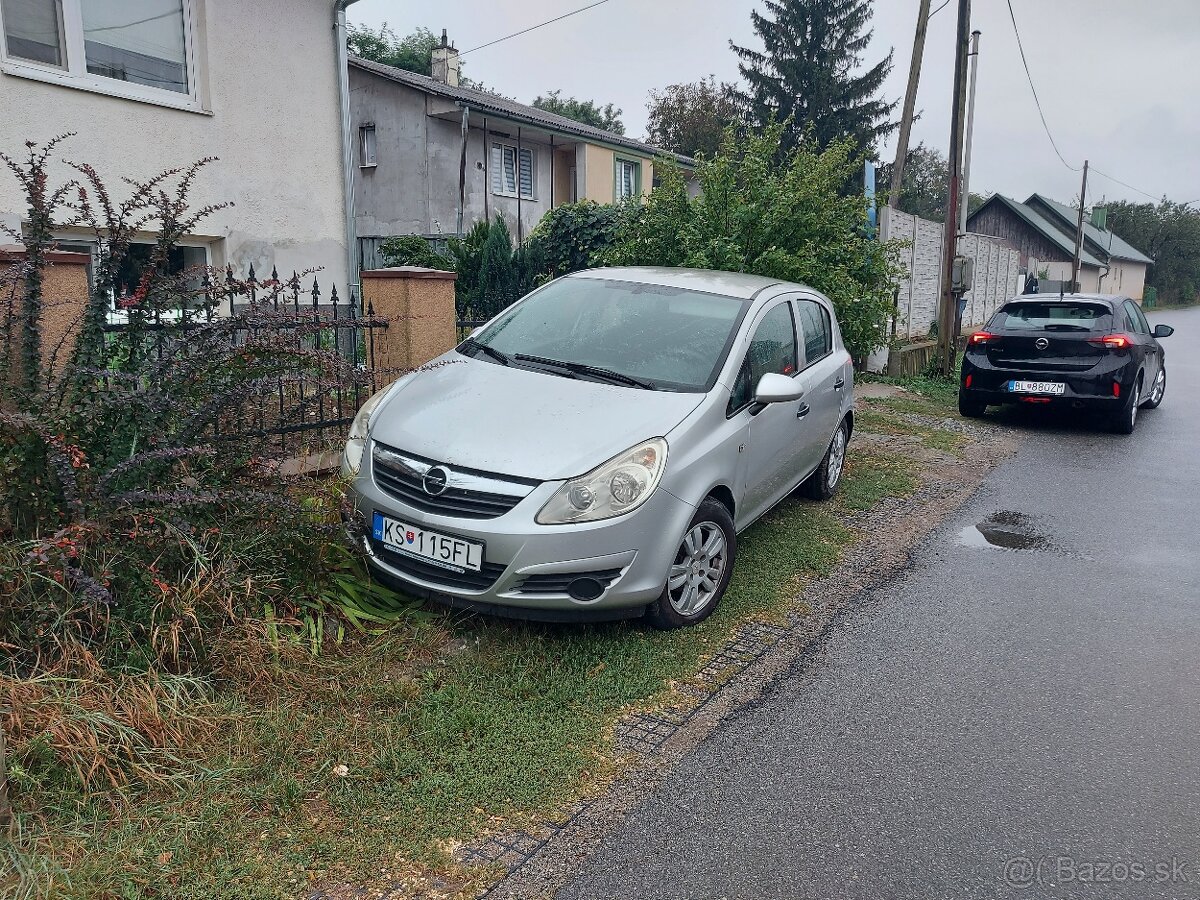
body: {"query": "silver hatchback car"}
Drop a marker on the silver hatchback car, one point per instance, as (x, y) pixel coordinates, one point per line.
(593, 451)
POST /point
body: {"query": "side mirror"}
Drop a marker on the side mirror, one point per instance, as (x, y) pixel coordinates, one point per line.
(1161, 331)
(775, 388)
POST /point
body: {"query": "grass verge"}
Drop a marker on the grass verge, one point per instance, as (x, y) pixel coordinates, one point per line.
(373, 764)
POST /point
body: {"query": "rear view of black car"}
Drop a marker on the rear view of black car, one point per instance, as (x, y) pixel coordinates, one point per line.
(1081, 351)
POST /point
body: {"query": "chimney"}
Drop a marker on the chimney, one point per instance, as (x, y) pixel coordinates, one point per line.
(445, 62)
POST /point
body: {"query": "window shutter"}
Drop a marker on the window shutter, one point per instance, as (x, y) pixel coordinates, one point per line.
(527, 173)
(510, 170)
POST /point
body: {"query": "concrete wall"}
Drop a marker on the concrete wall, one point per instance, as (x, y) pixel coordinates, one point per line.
(997, 272)
(268, 108)
(1126, 278)
(414, 188)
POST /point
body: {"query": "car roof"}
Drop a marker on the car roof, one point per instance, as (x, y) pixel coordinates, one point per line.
(729, 284)
(1107, 299)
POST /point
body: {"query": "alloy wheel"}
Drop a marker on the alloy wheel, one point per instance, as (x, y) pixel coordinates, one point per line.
(1160, 384)
(698, 570)
(837, 457)
(1137, 399)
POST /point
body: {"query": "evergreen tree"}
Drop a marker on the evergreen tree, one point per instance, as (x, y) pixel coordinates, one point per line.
(806, 72)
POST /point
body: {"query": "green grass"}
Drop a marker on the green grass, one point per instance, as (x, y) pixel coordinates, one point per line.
(448, 727)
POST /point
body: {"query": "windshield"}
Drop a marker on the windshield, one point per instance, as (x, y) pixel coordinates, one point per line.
(623, 332)
(1060, 316)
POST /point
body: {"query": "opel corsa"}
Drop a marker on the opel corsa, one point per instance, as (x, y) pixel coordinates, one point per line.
(593, 451)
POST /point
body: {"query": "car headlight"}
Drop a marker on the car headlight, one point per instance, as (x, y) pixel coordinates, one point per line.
(618, 487)
(356, 443)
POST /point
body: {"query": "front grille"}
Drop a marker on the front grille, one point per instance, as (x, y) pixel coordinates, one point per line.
(468, 580)
(558, 582)
(400, 475)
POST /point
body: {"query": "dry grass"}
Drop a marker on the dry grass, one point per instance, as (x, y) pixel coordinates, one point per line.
(99, 730)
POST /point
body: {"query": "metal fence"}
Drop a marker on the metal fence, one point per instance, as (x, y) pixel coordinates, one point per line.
(285, 364)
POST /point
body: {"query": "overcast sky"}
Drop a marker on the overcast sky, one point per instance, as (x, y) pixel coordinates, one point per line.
(1118, 79)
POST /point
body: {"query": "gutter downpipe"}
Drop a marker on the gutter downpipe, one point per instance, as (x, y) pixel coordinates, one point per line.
(343, 64)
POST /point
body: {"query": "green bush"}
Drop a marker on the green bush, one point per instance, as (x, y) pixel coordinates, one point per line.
(576, 236)
(413, 250)
(788, 220)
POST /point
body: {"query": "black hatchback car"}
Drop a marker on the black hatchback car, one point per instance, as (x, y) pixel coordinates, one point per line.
(1085, 351)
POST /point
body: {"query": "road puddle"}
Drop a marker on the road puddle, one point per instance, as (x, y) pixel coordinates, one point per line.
(1004, 530)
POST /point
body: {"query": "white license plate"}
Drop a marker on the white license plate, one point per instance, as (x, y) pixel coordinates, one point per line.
(1037, 387)
(439, 549)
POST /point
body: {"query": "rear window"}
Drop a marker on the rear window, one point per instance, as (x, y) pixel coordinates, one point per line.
(1057, 316)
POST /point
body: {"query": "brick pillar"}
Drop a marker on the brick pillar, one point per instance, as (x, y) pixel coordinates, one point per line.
(64, 299)
(419, 306)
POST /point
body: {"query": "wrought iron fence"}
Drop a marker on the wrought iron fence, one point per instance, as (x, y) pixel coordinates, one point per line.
(285, 364)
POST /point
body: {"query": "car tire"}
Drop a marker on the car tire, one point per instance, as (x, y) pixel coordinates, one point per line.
(969, 407)
(823, 483)
(699, 573)
(1158, 392)
(1126, 419)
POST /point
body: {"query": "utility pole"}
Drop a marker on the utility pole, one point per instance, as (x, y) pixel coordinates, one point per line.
(910, 104)
(947, 348)
(965, 204)
(1079, 233)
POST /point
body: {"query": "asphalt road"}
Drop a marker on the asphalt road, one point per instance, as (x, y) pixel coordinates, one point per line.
(996, 722)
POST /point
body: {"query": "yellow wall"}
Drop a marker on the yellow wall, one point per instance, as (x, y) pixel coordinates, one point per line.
(598, 174)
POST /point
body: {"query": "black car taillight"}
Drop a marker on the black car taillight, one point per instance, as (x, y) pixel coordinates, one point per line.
(1112, 342)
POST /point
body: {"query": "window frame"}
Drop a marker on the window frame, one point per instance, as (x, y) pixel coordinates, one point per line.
(533, 170)
(1141, 322)
(636, 165)
(74, 73)
(807, 363)
(730, 411)
(368, 130)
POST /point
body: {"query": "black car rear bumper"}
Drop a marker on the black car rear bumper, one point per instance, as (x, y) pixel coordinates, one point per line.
(1101, 388)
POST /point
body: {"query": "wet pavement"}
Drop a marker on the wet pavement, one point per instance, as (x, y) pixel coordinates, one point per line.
(1018, 715)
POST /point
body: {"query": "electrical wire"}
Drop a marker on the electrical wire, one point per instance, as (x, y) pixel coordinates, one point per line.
(1037, 101)
(1124, 184)
(536, 27)
(940, 8)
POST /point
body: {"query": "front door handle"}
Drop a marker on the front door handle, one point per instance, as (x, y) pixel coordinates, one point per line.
(803, 411)
(839, 384)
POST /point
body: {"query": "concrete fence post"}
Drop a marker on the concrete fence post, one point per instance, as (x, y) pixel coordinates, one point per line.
(419, 306)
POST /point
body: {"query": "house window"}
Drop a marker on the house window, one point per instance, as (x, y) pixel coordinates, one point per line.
(507, 174)
(628, 179)
(367, 154)
(33, 30)
(140, 49)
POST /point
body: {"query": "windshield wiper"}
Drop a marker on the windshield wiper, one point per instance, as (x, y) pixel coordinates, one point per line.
(584, 369)
(490, 351)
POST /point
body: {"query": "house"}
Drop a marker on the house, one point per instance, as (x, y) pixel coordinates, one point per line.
(435, 155)
(148, 85)
(1044, 232)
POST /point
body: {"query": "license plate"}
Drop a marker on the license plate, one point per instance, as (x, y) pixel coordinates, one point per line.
(1037, 387)
(440, 549)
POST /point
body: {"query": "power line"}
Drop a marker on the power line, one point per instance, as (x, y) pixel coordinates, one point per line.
(1130, 186)
(940, 8)
(1037, 101)
(535, 27)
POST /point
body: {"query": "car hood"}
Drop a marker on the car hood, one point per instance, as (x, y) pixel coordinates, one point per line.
(528, 424)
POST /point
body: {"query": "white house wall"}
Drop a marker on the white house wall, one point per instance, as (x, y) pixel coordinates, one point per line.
(270, 90)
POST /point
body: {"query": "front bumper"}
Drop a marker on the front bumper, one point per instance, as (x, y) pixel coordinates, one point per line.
(527, 567)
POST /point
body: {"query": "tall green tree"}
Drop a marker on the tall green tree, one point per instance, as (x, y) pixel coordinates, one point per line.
(809, 73)
(1168, 232)
(414, 52)
(607, 117)
(691, 118)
